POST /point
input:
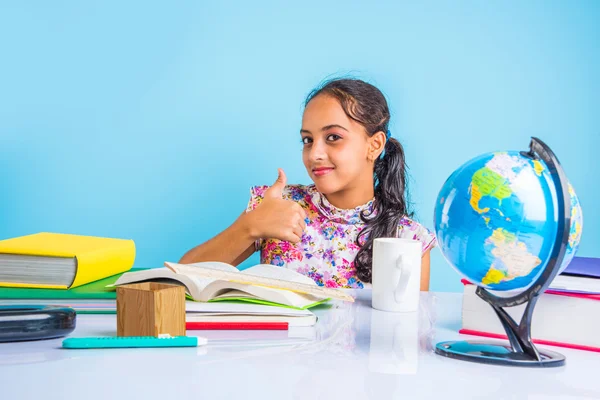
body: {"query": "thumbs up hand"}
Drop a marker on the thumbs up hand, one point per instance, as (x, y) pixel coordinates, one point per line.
(276, 218)
(276, 190)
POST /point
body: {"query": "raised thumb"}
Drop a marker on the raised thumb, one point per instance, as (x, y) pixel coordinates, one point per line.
(276, 190)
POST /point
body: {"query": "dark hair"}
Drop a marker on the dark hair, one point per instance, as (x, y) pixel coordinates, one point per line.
(365, 104)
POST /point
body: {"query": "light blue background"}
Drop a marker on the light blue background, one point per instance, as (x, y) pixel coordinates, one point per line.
(151, 121)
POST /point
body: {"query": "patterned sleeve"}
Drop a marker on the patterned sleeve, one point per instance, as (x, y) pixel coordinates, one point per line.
(409, 229)
(257, 194)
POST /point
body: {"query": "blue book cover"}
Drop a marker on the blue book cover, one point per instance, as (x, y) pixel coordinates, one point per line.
(584, 266)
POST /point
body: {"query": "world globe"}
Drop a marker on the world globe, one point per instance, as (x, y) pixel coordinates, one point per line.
(496, 220)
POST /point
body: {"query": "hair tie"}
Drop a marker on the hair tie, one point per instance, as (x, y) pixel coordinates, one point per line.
(388, 134)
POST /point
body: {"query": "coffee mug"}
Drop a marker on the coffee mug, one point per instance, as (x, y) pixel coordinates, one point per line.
(396, 275)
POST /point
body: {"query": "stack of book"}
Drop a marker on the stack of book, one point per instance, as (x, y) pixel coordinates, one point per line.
(566, 315)
(63, 269)
(219, 292)
(82, 272)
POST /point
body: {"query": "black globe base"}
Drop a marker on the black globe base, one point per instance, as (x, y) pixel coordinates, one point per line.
(497, 354)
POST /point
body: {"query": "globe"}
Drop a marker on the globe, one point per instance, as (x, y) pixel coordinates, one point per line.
(496, 220)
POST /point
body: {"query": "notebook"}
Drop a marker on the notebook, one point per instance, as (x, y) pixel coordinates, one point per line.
(292, 320)
(231, 311)
(99, 289)
(200, 286)
(91, 298)
(247, 312)
(62, 261)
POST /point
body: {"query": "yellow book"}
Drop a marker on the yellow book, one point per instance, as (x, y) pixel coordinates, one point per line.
(62, 261)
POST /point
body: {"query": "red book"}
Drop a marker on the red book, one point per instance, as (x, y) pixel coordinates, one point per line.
(559, 319)
(254, 325)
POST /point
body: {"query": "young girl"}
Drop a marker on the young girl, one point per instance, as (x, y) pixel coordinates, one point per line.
(326, 230)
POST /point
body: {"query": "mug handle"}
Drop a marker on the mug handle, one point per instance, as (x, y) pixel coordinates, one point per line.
(405, 273)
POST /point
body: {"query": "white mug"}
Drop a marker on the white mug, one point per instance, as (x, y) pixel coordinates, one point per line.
(396, 274)
(394, 345)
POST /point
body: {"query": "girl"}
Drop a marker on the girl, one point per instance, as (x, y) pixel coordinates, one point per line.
(326, 230)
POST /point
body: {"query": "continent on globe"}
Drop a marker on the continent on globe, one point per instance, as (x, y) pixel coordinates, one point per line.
(512, 259)
(486, 182)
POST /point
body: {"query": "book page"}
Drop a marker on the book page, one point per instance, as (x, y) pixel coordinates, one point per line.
(204, 288)
(266, 294)
(283, 273)
(221, 266)
(194, 284)
(275, 278)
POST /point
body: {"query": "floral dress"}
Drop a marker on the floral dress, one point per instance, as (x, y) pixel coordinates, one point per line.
(328, 246)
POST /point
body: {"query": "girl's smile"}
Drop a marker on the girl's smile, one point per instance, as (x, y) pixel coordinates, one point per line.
(321, 171)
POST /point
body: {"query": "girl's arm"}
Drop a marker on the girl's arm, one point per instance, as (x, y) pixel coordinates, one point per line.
(274, 218)
(234, 245)
(425, 271)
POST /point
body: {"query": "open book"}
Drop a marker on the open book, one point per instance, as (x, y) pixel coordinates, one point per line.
(212, 281)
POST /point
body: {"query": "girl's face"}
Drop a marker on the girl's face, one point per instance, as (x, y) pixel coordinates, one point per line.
(336, 149)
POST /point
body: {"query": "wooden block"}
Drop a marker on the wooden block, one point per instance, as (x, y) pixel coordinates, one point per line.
(150, 309)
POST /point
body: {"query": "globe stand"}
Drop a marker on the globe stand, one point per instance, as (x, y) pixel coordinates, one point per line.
(520, 350)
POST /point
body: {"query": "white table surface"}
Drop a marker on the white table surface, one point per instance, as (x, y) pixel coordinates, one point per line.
(354, 352)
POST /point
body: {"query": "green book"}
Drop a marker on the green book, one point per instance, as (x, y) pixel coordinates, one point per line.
(92, 290)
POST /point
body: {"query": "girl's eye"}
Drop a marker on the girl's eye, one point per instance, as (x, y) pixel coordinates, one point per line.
(306, 140)
(333, 138)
